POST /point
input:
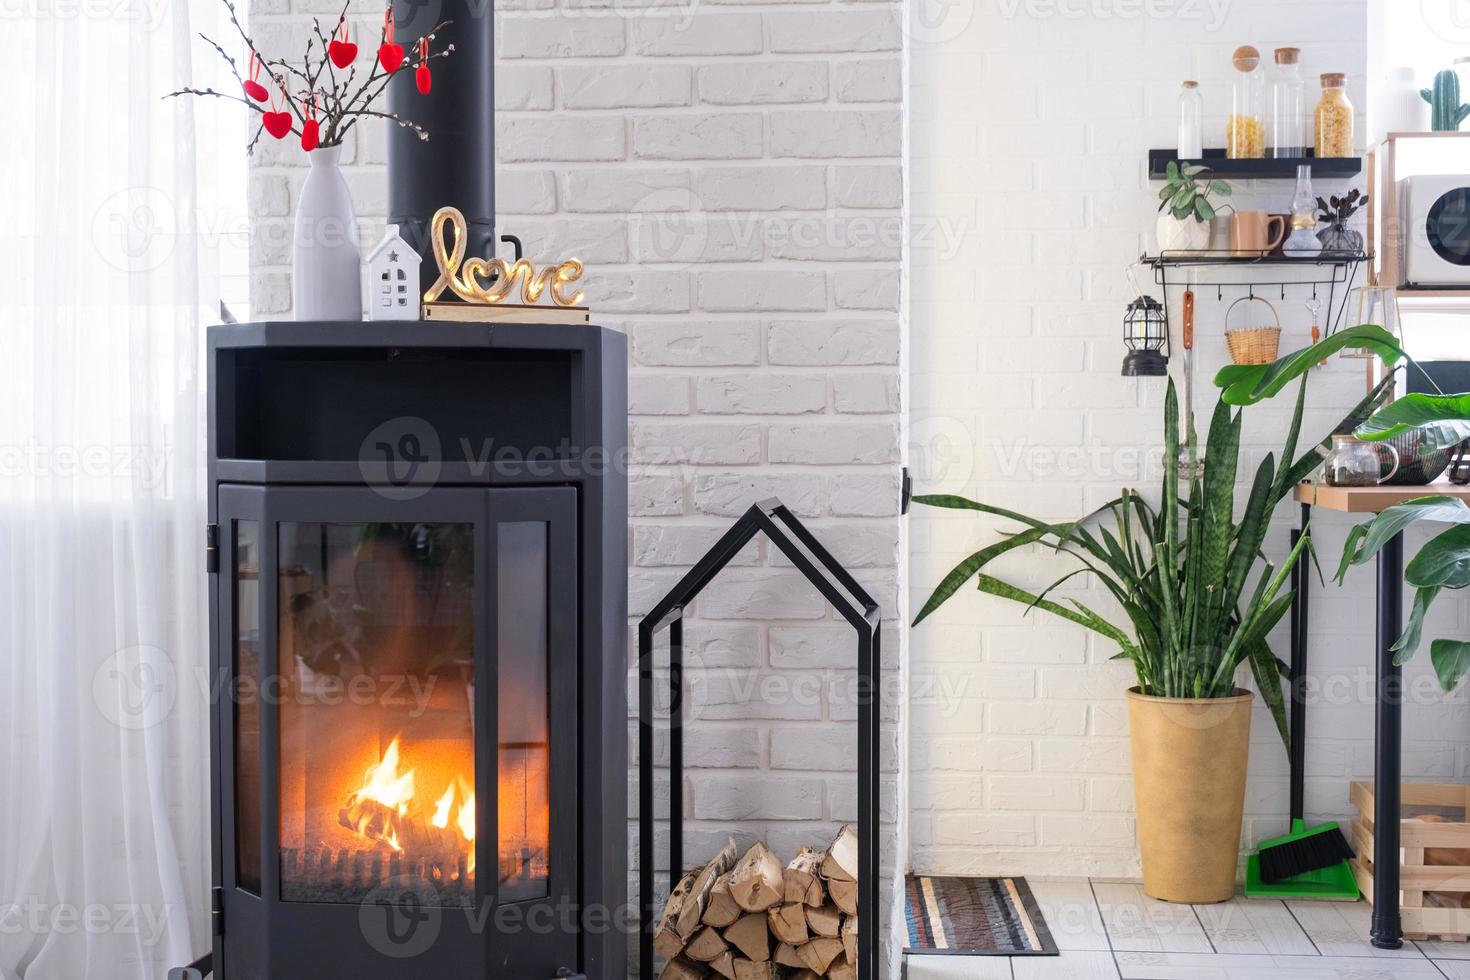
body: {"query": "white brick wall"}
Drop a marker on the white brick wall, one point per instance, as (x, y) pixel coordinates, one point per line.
(1029, 132)
(731, 174)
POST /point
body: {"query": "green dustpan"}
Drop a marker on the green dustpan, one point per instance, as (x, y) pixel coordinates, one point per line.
(1334, 883)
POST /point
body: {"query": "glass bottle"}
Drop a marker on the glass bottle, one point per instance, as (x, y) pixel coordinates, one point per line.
(1245, 131)
(1191, 122)
(1288, 106)
(1334, 118)
(1303, 238)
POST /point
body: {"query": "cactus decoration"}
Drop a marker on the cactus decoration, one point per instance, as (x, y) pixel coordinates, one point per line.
(1444, 101)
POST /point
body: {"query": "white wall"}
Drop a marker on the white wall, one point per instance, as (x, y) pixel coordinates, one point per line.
(1030, 127)
(730, 173)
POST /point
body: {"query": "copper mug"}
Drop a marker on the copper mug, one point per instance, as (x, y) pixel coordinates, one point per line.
(1251, 235)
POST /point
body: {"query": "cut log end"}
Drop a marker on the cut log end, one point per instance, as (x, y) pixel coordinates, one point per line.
(757, 883)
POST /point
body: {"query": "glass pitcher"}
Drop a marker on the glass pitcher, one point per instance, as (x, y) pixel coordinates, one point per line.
(1355, 463)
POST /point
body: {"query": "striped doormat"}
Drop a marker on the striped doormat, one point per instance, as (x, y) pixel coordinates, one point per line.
(974, 917)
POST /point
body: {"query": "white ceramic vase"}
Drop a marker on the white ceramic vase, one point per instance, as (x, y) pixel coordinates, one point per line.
(326, 266)
(1181, 235)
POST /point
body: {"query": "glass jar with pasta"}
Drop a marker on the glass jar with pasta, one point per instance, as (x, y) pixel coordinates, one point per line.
(1245, 130)
(1334, 118)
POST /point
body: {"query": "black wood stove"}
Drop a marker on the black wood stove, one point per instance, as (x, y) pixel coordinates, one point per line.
(419, 617)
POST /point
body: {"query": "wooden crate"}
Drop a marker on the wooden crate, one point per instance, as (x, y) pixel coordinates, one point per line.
(1423, 917)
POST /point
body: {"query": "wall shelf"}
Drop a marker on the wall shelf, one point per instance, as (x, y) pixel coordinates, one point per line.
(1430, 294)
(1274, 169)
(1285, 270)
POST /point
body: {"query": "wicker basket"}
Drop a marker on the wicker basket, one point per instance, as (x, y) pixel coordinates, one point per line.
(1253, 345)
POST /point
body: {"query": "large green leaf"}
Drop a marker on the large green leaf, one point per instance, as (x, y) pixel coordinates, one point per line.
(1246, 384)
(1218, 497)
(1443, 561)
(1451, 658)
(1441, 421)
(1082, 616)
(962, 572)
(1408, 642)
(1253, 527)
(1365, 540)
(1267, 669)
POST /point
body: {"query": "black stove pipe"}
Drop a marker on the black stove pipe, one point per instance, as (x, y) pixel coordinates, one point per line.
(456, 164)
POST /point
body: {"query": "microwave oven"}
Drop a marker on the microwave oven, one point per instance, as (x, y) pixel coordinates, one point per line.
(1435, 235)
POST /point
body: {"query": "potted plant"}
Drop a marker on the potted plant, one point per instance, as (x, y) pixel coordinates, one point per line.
(1439, 421)
(1185, 207)
(318, 100)
(1336, 237)
(1200, 600)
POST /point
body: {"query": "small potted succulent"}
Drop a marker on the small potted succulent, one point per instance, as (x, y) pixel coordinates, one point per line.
(1336, 237)
(1186, 208)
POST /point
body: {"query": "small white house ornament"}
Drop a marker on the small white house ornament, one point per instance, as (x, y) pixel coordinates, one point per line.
(393, 279)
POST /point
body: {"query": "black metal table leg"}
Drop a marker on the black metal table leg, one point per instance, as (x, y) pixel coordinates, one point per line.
(1386, 929)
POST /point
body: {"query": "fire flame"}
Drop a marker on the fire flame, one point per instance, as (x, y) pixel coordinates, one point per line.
(387, 800)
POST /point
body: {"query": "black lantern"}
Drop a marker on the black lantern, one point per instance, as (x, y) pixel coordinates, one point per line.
(1146, 334)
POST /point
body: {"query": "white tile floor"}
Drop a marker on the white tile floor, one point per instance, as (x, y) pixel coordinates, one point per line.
(1112, 931)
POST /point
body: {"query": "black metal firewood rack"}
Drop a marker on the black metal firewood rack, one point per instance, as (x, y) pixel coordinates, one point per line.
(839, 588)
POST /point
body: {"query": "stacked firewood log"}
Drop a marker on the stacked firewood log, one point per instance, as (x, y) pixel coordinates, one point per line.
(752, 919)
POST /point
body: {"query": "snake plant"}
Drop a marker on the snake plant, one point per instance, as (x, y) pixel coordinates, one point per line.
(1180, 572)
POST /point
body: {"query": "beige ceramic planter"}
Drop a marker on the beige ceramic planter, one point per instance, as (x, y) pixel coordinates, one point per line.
(1189, 764)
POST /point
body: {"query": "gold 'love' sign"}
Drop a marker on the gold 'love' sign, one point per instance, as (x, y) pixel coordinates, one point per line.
(493, 280)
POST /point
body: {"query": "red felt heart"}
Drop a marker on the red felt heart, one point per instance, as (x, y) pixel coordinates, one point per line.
(310, 134)
(390, 56)
(256, 90)
(278, 124)
(342, 53)
(423, 79)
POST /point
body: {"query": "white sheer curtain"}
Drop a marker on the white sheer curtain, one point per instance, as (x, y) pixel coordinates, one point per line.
(104, 783)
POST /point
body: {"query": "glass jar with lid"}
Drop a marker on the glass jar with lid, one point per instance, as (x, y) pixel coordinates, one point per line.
(1334, 118)
(1191, 143)
(1354, 463)
(1245, 130)
(1288, 106)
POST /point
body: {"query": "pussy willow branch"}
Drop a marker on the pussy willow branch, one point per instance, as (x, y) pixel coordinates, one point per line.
(280, 80)
(342, 105)
(367, 93)
(249, 104)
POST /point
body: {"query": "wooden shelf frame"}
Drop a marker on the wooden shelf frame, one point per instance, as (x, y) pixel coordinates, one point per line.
(1383, 213)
